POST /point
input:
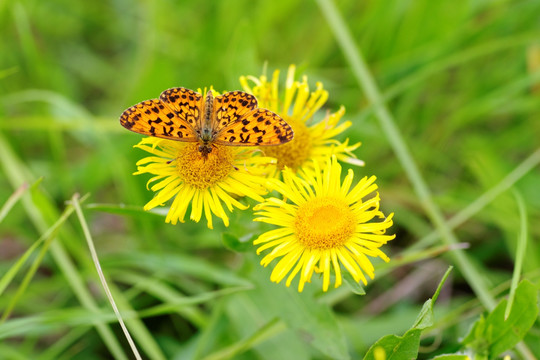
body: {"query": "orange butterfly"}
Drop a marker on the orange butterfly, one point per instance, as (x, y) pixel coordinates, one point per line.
(230, 119)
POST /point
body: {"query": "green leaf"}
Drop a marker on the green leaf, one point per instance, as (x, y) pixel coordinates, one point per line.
(493, 335)
(283, 344)
(397, 347)
(506, 334)
(425, 318)
(451, 357)
(313, 322)
(231, 242)
(475, 338)
(353, 285)
(406, 346)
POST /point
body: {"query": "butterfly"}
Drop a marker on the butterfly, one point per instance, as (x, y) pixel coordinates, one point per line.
(185, 115)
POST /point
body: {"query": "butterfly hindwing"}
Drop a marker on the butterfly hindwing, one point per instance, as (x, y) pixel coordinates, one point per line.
(256, 128)
(231, 107)
(154, 118)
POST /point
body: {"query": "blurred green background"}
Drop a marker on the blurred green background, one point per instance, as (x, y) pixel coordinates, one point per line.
(461, 79)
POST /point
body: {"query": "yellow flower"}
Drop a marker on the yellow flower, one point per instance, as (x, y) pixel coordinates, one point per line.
(324, 225)
(312, 140)
(181, 172)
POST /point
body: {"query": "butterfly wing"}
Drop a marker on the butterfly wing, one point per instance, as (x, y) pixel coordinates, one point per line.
(256, 128)
(231, 107)
(187, 104)
(155, 118)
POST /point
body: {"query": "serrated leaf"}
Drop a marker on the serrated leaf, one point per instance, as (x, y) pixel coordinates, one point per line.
(397, 347)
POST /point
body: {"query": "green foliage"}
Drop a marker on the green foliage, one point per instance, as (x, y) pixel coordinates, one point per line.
(397, 347)
(460, 82)
(231, 242)
(355, 287)
(307, 320)
(491, 335)
(406, 347)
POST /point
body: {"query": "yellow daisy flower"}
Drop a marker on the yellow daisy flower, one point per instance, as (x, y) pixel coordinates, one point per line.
(297, 106)
(181, 172)
(323, 226)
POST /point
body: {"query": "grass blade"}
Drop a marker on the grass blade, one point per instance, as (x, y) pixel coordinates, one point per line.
(46, 238)
(520, 252)
(12, 200)
(82, 220)
(17, 173)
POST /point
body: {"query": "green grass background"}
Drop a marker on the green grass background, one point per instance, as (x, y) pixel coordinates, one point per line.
(460, 80)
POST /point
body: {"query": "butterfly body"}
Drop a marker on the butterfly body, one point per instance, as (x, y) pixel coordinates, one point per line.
(231, 119)
(207, 134)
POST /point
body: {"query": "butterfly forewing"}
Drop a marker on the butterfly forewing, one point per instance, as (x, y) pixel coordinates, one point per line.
(154, 118)
(231, 107)
(256, 128)
(187, 104)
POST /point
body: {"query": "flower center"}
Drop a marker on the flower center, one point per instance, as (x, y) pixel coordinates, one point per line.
(202, 172)
(294, 153)
(324, 223)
